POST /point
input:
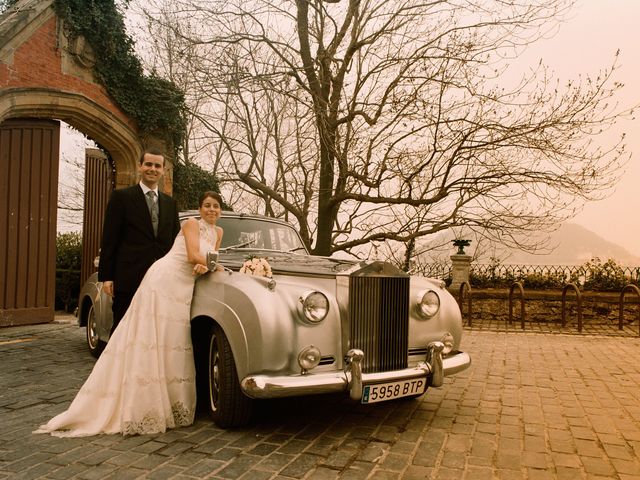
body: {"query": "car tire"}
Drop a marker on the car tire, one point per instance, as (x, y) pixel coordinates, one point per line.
(228, 405)
(95, 345)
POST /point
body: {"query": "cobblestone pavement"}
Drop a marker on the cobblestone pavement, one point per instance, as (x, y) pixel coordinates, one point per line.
(532, 406)
(600, 328)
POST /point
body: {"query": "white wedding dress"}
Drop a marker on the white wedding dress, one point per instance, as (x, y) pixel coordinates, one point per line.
(144, 381)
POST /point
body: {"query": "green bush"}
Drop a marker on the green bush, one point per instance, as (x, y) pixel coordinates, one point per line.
(596, 275)
(539, 281)
(189, 182)
(592, 275)
(68, 264)
(492, 277)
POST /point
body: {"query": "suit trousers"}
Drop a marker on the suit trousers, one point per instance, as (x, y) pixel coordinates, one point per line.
(120, 305)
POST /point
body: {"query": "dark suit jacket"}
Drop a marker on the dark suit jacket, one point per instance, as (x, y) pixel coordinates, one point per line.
(129, 246)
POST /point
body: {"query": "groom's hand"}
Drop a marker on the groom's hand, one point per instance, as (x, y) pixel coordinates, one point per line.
(107, 287)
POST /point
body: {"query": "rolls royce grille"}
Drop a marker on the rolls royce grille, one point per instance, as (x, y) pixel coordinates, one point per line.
(379, 313)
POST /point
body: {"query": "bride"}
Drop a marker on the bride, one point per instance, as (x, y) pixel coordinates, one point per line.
(144, 381)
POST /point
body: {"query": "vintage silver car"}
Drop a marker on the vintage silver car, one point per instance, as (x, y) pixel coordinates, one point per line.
(317, 325)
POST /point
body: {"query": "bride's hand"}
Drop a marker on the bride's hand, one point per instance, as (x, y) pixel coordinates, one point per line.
(199, 269)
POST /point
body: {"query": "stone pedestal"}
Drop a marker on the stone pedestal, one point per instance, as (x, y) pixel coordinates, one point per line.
(461, 265)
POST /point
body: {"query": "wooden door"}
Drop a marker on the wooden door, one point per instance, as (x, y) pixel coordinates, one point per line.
(98, 185)
(29, 151)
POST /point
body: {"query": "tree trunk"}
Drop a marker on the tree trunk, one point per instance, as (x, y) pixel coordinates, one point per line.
(326, 209)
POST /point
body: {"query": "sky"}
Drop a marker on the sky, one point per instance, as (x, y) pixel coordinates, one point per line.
(585, 44)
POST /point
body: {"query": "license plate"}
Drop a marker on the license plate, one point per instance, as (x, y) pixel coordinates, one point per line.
(388, 391)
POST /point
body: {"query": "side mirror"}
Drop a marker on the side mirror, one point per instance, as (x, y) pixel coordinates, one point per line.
(212, 260)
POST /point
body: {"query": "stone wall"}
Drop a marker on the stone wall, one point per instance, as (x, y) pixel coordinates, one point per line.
(545, 307)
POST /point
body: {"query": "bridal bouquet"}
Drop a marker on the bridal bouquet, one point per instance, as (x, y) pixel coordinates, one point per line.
(256, 266)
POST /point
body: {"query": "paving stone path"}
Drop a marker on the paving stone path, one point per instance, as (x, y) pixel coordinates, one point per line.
(532, 406)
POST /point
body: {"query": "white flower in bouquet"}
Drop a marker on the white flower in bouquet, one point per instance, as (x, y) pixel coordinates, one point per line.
(256, 266)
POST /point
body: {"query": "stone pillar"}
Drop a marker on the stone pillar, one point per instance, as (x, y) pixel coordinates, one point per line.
(461, 265)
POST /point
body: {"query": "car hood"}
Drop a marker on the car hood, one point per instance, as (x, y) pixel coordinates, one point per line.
(283, 262)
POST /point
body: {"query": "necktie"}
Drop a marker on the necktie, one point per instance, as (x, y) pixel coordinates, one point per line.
(153, 210)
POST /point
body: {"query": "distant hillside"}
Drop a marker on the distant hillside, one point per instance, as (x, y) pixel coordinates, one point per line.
(574, 245)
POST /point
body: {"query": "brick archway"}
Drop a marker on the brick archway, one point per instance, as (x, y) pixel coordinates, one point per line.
(45, 75)
(85, 115)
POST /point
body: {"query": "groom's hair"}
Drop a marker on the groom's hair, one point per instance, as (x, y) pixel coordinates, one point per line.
(151, 151)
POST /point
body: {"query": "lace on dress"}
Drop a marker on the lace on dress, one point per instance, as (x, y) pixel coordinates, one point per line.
(155, 422)
(208, 236)
(144, 381)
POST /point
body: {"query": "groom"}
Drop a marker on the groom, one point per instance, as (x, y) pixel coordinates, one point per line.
(140, 226)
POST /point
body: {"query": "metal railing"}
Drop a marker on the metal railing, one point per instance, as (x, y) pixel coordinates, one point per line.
(517, 286)
(564, 304)
(465, 287)
(536, 276)
(633, 289)
(552, 276)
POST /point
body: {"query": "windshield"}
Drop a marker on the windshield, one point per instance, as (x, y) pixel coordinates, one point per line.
(256, 233)
(260, 234)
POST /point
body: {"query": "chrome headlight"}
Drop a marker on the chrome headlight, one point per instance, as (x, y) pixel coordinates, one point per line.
(428, 303)
(309, 357)
(314, 305)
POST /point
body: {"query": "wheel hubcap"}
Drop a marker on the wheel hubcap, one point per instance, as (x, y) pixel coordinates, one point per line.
(214, 374)
(92, 330)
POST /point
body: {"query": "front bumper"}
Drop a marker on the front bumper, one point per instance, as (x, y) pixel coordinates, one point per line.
(435, 368)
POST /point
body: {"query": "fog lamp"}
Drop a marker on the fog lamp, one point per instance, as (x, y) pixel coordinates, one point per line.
(308, 358)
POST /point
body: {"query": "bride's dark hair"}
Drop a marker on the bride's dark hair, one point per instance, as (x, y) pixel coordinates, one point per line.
(210, 194)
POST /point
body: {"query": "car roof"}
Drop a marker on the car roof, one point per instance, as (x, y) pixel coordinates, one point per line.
(231, 214)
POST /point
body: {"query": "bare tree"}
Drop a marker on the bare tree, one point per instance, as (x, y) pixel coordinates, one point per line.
(71, 192)
(71, 177)
(391, 120)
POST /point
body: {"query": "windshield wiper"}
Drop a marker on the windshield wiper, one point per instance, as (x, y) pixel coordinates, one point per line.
(237, 245)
